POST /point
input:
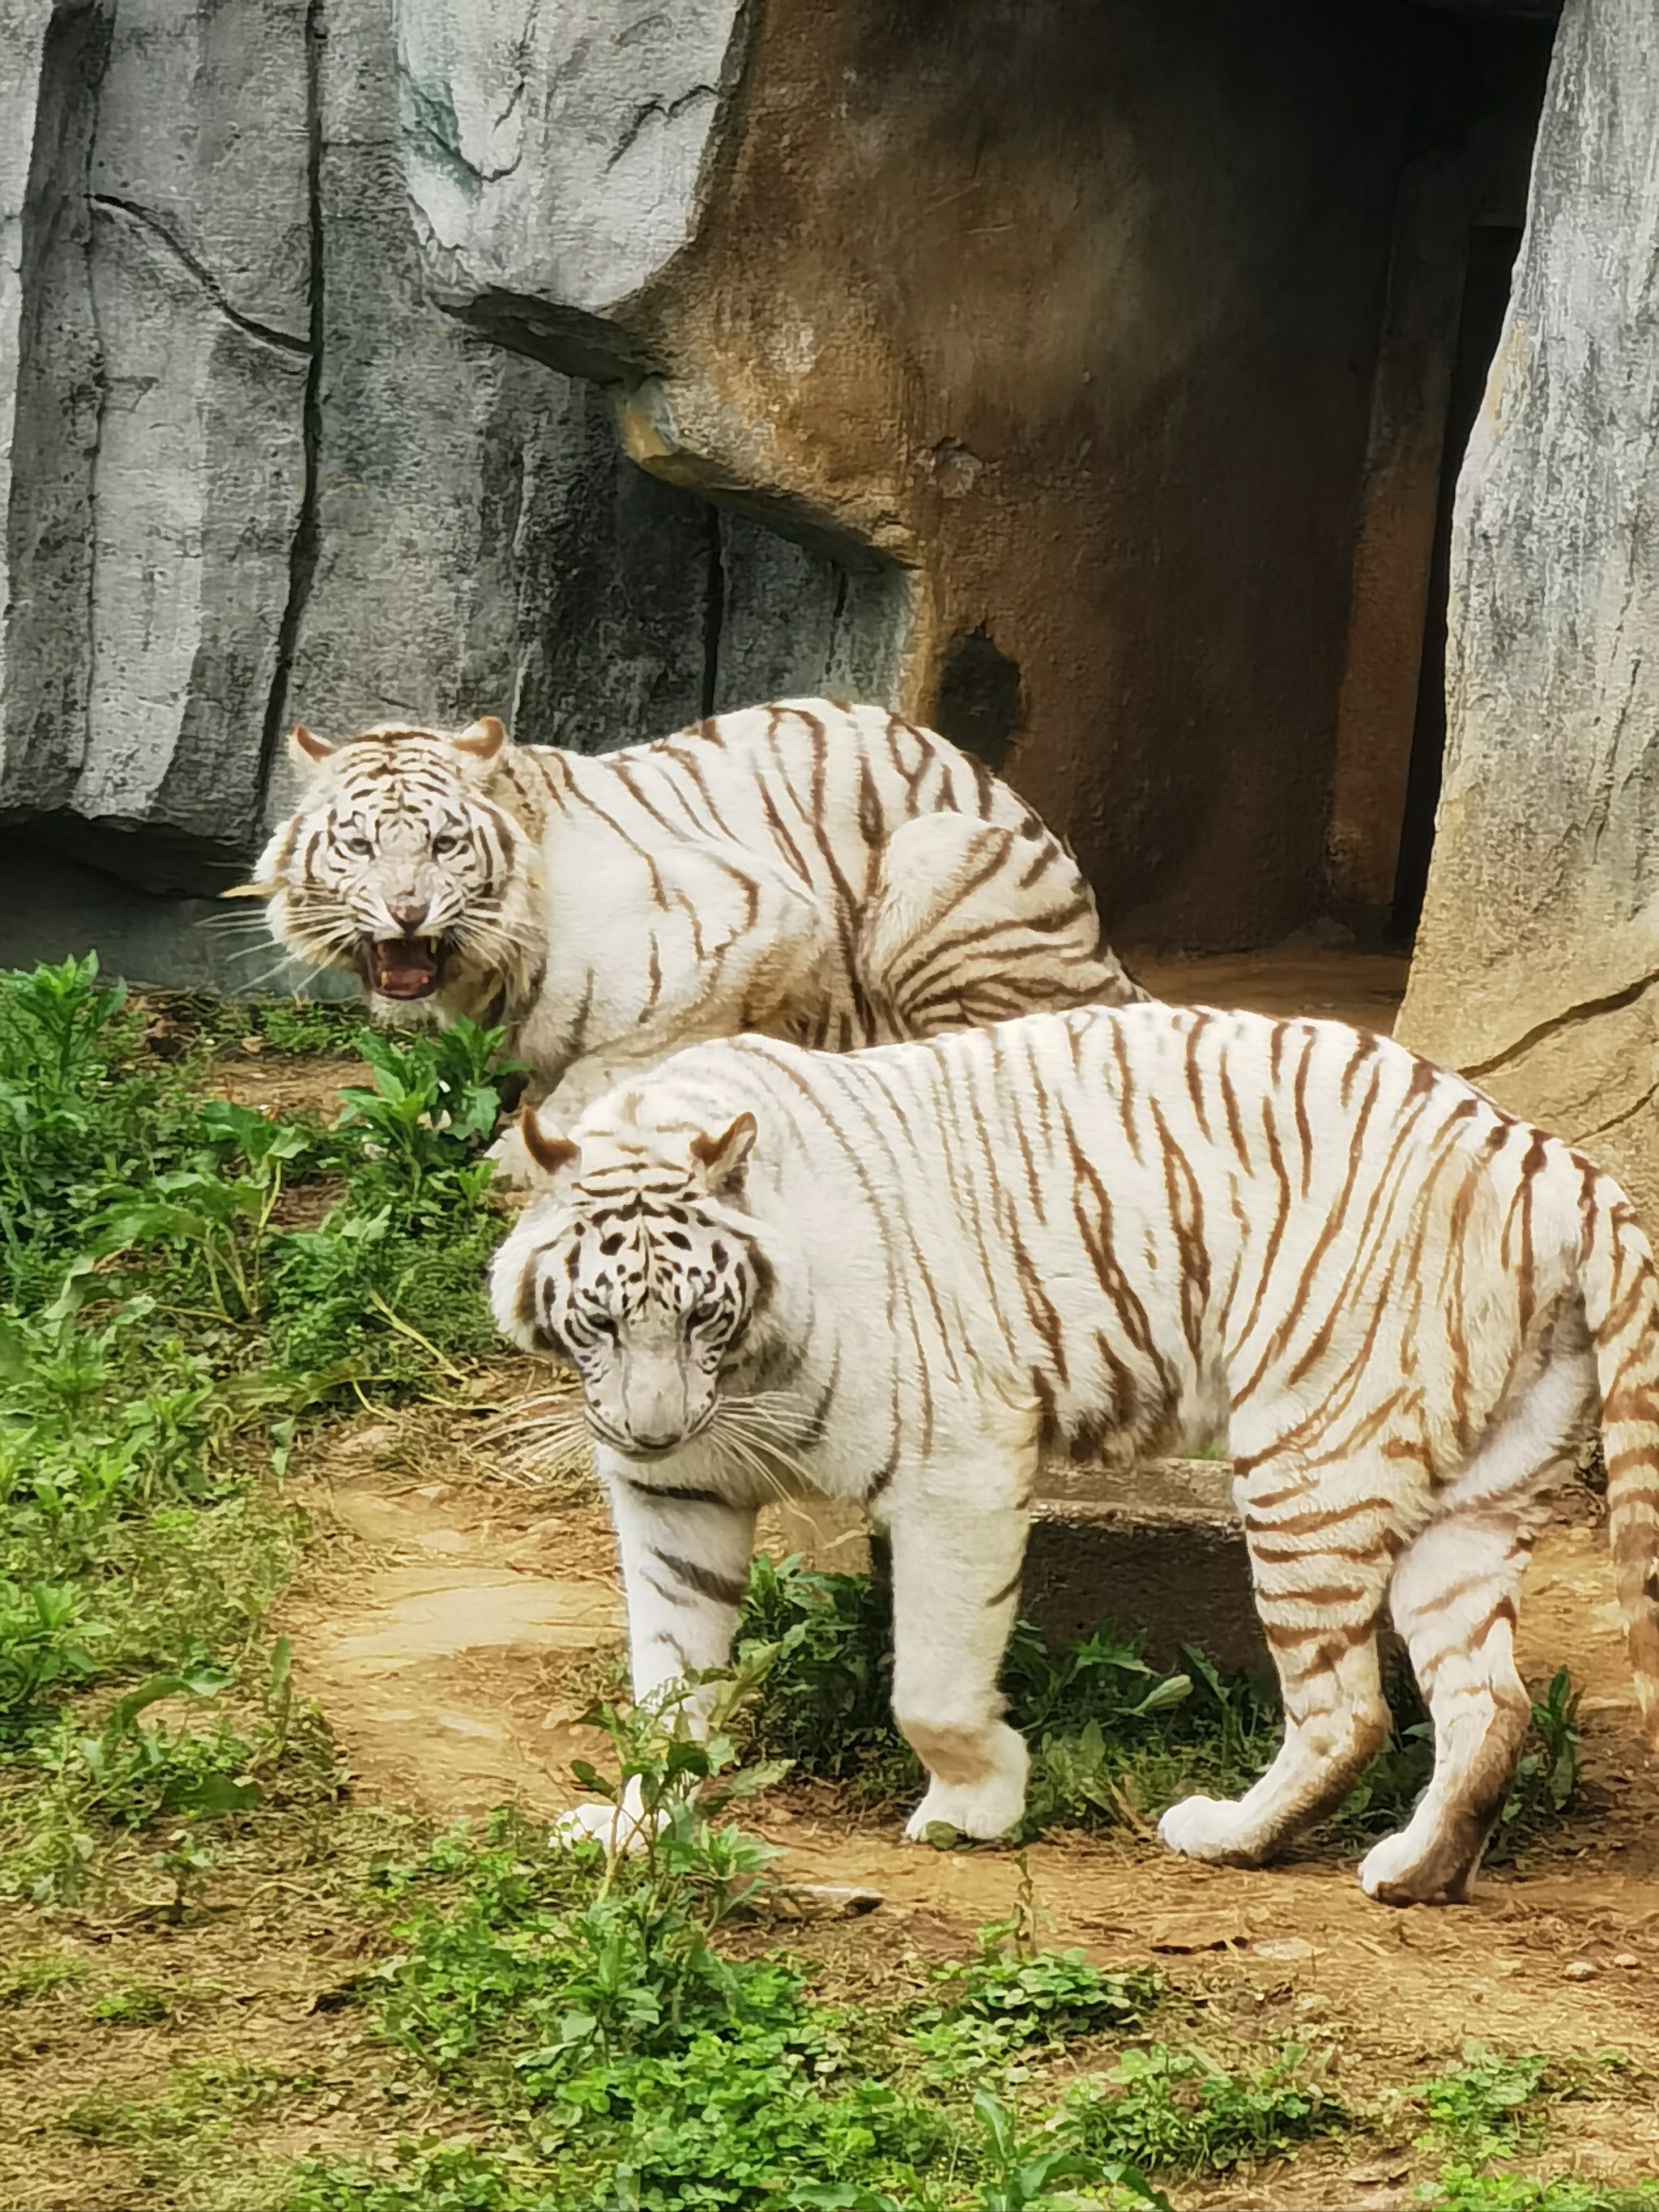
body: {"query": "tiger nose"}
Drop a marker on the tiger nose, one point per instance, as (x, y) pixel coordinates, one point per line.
(409, 914)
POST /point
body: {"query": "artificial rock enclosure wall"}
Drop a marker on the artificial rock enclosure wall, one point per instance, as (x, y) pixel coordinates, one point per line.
(1537, 965)
(603, 363)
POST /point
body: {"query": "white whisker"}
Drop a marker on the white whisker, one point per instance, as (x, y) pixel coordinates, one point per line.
(792, 1426)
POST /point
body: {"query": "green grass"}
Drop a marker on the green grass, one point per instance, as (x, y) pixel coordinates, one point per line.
(26, 1981)
(1488, 2107)
(162, 1336)
(1465, 2189)
(632, 2047)
(1179, 2112)
(634, 2054)
(1492, 2107)
(293, 1027)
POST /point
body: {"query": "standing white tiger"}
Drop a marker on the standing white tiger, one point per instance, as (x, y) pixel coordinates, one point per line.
(890, 1276)
(832, 874)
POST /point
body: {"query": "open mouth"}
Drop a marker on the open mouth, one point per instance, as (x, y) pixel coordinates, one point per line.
(401, 966)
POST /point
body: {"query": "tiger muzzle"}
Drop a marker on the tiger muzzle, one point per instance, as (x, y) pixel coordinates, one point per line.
(401, 966)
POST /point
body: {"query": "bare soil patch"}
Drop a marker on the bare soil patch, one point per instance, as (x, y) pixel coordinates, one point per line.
(1304, 975)
(287, 1083)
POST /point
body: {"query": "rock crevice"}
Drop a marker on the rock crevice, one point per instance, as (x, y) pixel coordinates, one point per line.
(148, 221)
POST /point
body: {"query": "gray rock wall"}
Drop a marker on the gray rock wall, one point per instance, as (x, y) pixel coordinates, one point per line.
(254, 469)
(56, 377)
(158, 475)
(22, 31)
(1537, 967)
(559, 158)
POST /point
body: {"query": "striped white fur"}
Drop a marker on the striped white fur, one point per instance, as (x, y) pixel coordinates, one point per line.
(1150, 1229)
(832, 874)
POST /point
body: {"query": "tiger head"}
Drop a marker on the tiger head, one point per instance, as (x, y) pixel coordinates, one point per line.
(397, 866)
(640, 1270)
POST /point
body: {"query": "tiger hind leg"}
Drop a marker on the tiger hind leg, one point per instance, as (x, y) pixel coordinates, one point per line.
(970, 923)
(1455, 1599)
(1321, 1559)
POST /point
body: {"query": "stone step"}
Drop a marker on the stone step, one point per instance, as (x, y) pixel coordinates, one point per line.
(1156, 1548)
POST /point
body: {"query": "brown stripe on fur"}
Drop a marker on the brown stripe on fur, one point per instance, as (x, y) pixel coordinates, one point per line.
(723, 1590)
(1194, 1078)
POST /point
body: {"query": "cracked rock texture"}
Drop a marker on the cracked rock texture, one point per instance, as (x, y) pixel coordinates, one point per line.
(159, 469)
(558, 156)
(1537, 963)
(22, 30)
(254, 470)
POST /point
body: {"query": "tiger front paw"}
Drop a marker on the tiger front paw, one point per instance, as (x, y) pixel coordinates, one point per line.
(1420, 1867)
(1207, 1828)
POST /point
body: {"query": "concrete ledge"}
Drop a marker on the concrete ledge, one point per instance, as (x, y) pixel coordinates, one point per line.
(1156, 1547)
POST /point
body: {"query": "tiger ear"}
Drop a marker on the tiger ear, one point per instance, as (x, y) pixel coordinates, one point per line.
(722, 1157)
(310, 752)
(479, 743)
(551, 1154)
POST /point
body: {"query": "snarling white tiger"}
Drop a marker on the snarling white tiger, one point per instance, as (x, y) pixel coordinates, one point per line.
(836, 875)
(893, 1277)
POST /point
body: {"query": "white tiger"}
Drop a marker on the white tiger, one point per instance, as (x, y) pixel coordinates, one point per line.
(832, 874)
(892, 1276)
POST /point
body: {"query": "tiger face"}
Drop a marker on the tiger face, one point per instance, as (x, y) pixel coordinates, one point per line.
(642, 1274)
(397, 865)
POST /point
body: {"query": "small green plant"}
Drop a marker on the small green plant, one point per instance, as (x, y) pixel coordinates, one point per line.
(391, 1284)
(1547, 1779)
(219, 1217)
(44, 1643)
(304, 1027)
(1485, 2107)
(1492, 2106)
(434, 1101)
(1022, 2177)
(140, 1776)
(825, 1699)
(26, 1980)
(201, 2102)
(1179, 2112)
(135, 2004)
(1012, 1997)
(1463, 2189)
(80, 1118)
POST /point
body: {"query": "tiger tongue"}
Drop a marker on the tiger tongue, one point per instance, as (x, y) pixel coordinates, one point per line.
(404, 967)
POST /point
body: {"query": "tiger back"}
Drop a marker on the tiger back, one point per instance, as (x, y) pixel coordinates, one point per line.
(895, 1277)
